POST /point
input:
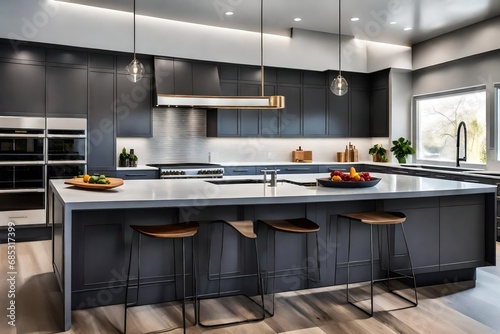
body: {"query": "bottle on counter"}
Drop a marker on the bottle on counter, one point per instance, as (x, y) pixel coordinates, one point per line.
(347, 154)
(355, 157)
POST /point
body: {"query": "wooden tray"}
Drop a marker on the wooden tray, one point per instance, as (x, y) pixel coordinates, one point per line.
(115, 182)
(327, 182)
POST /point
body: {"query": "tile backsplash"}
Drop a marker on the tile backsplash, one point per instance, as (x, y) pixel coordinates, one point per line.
(179, 135)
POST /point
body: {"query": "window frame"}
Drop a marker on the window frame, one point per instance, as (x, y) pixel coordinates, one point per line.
(415, 129)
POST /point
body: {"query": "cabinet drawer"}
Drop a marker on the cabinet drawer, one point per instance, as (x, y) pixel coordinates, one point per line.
(25, 217)
(136, 174)
(297, 169)
(441, 176)
(243, 170)
(376, 169)
(399, 171)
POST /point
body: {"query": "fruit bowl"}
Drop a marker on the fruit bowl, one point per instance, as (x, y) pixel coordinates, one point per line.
(327, 182)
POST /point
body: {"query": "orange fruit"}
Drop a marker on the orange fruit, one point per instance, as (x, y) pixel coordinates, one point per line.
(352, 171)
(86, 178)
(336, 178)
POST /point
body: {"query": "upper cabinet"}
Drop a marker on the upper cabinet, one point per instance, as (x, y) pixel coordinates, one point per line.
(311, 109)
(182, 77)
(22, 90)
(66, 83)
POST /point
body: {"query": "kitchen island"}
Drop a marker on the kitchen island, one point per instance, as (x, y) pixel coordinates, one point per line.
(450, 225)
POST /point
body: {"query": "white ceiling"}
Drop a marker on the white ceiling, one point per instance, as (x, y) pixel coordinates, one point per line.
(427, 18)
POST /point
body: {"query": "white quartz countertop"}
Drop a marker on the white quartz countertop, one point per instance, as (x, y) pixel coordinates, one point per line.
(198, 192)
(139, 167)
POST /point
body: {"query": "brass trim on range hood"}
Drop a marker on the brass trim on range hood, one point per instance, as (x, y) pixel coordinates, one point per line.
(221, 102)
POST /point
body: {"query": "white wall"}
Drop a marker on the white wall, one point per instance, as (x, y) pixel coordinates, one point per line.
(465, 42)
(49, 21)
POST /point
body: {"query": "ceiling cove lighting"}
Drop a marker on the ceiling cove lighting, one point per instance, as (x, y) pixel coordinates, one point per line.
(229, 102)
(354, 19)
(339, 85)
(135, 70)
(297, 19)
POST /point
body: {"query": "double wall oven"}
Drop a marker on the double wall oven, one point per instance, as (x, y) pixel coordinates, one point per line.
(22, 170)
(33, 150)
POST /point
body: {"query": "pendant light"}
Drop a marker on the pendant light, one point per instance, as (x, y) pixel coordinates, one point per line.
(135, 70)
(339, 84)
(228, 102)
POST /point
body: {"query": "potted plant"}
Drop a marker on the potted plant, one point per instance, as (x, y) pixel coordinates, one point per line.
(401, 149)
(132, 158)
(123, 159)
(378, 152)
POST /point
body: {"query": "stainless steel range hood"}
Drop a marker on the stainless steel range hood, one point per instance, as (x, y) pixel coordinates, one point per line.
(221, 102)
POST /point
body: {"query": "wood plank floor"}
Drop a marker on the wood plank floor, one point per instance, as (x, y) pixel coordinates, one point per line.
(447, 308)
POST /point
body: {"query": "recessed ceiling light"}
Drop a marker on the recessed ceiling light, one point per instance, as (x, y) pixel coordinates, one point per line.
(229, 13)
(355, 19)
(297, 19)
(407, 28)
(392, 22)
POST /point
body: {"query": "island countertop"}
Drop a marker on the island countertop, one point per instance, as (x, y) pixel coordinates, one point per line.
(186, 192)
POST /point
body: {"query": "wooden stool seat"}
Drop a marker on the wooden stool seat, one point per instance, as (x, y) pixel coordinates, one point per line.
(243, 227)
(296, 225)
(376, 217)
(182, 230)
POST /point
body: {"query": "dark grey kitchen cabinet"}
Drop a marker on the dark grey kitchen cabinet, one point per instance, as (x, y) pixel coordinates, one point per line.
(224, 122)
(339, 167)
(375, 169)
(360, 108)
(22, 92)
(66, 92)
(182, 77)
(270, 118)
(133, 107)
(379, 103)
(101, 62)
(462, 239)
(101, 135)
(239, 170)
(249, 118)
(338, 110)
(22, 53)
(289, 77)
(291, 115)
(139, 174)
(67, 57)
(315, 108)
(298, 169)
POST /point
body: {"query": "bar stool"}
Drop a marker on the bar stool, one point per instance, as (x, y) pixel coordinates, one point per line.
(379, 219)
(245, 229)
(171, 231)
(295, 226)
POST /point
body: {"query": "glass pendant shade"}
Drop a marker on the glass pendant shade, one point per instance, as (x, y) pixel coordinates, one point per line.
(135, 70)
(339, 86)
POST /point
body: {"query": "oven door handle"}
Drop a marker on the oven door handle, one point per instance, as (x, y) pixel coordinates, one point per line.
(19, 135)
(21, 163)
(34, 190)
(67, 136)
(66, 162)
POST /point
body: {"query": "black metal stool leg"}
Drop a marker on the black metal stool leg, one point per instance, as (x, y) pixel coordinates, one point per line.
(348, 261)
(183, 286)
(371, 271)
(128, 282)
(411, 266)
(194, 280)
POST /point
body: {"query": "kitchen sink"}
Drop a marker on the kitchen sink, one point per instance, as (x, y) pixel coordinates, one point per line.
(235, 181)
(443, 168)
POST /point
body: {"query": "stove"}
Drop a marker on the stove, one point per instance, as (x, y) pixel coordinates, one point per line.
(189, 170)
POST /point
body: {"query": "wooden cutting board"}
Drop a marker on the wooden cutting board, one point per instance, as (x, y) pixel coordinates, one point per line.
(302, 156)
(115, 182)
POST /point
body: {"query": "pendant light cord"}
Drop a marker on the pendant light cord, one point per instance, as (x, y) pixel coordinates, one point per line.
(134, 30)
(340, 54)
(261, 48)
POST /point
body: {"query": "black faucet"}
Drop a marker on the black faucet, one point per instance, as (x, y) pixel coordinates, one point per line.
(462, 124)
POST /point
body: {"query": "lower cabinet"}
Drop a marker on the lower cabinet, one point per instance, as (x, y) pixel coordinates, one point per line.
(139, 174)
(290, 169)
(239, 170)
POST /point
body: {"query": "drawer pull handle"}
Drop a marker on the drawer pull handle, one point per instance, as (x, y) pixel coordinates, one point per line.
(240, 170)
(468, 180)
(18, 217)
(136, 174)
(331, 169)
(297, 169)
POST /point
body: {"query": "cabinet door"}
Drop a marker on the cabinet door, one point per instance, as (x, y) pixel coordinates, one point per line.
(22, 91)
(299, 169)
(290, 116)
(164, 75)
(315, 107)
(133, 107)
(360, 113)
(224, 122)
(66, 92)
(101, 137)
(379, 112)
(269, 126)
(338, 115)
(183, 77)
(249, 118)
(206, 79)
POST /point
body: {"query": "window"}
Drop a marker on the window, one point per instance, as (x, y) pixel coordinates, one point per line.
(437, 119)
